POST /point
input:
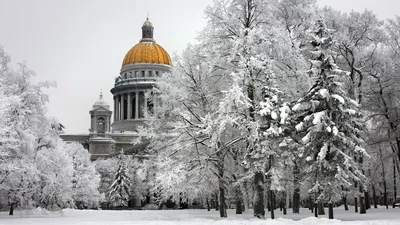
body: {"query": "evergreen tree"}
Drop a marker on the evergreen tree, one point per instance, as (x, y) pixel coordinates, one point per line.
(121, 187)
(330, 120)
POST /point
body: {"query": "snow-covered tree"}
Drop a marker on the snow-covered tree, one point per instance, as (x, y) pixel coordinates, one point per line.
(120, 189)
(106, 168)
(86, 180)
(330, 121)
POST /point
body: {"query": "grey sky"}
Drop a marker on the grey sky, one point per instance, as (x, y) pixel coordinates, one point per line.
(81, 43)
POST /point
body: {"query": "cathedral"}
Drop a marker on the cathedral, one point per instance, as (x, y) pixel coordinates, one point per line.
(110, 132)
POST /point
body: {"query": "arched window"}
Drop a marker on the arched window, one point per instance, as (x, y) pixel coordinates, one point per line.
(101, 125)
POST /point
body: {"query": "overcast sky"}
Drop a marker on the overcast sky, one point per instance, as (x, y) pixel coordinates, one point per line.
(80, 44)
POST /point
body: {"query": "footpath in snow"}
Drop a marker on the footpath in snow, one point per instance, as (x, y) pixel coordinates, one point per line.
(194, 217)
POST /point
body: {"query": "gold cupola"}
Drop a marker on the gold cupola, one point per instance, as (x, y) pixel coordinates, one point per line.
(147, 50)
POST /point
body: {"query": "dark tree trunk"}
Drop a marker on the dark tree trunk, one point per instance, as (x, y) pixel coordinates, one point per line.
(356, 204)
(310, 206)
(346, 207)
(271, 197)
(374, 197)
(259, 195)
(222, 205)
(296, 193)
(321, 210)
(330, 210)
(383, 179)
(216, 202)
(316, 209)
(296, 201)
(394, 183)
(363, 209)
(208, 205)
(367, 201)
(284, 207)
(239, 201)
(11, 209)
(239, 209)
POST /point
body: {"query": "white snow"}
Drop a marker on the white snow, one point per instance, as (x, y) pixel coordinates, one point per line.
(380, 216)
(317, 117)
(338, 97)
(324, 93)
(299, 126)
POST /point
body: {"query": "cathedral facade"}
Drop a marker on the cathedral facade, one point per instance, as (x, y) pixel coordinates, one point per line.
(112, 129)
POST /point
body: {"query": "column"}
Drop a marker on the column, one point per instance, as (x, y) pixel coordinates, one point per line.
(115, 108)
(95, 125)
(137, 105)
(145, 104)
(122, 106)
(154, 103)
(129, 116)
(117, 111)
(107, 124)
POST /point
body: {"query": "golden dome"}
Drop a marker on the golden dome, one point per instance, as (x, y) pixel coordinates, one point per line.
(147, 52)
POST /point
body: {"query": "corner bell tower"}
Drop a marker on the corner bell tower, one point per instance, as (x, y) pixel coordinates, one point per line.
(100, 142)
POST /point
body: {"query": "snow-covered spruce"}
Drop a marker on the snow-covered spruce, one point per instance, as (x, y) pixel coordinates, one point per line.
(120, 189)
(329, 121)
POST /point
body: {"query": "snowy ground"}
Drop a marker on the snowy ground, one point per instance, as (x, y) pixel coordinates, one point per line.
(193, 217)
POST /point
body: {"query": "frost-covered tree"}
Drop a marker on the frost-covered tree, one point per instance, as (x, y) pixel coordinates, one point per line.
(184, 158)
(106, 168)
(27, 134)
(86, 180)
(120, 189)
(330, 121)
(253, 50)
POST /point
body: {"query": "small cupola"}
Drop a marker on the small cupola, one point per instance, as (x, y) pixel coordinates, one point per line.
(147, 31)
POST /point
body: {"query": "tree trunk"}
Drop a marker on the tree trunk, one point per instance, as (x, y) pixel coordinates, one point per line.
(363, 209)
(239, 202)
(296, 192)
(321, 209)
(284, 207)
(208, 204)
(316, 209)
(271, 197)
(287, 202)
(374, 197)
(222, 205)
(259, 195)
(385, 200)
(394, 183)
(367, 201)
(216, 201)
(346, 207)
(330, 212)
(356, 204)
(246, 199)
(11, 209)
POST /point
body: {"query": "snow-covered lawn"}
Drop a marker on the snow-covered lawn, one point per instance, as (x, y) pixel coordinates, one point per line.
(192, 217)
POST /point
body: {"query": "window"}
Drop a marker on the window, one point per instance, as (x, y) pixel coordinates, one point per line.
(143, 73)
(156, 73)
(101, 125)
(150, 73)
(136, 74)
